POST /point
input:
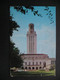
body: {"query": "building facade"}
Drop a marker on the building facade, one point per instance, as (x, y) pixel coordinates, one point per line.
(33, 60)
(36, 61)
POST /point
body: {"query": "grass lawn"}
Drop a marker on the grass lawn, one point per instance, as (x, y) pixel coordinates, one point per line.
(34, 73)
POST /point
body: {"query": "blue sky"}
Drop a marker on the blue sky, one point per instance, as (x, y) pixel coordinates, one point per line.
(46, 32)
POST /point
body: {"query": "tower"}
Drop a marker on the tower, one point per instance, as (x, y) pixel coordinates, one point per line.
(31, 40)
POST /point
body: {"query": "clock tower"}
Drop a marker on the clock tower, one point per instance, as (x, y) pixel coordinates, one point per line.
(31, 40)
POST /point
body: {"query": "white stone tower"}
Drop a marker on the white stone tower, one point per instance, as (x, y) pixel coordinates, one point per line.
(31, 40)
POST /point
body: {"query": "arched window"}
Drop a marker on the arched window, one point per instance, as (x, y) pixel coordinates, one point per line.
(29, 67)
(25, 67)
(36, 67)
(32, 67)
(40, 67)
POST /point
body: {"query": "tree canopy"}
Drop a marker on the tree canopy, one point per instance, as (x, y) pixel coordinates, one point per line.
(24, 10)
(12, 26)
(15, 58)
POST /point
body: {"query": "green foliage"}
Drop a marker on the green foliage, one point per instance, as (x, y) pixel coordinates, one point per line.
(12, 26)
(52, 67)
(15, 59)
(24, 10)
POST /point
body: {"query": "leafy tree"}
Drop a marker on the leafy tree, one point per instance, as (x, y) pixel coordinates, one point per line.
(15, 59)
(12, 26)
(24, 10)
(52, 67)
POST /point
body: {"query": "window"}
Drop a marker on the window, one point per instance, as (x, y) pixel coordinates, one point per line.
(40, 63)
(40, 67)
(36, 63)
(32, 67)
(36, 67)
(29, 63)
(33, 63)
(25, 63)
(29, 67)
(25, 67)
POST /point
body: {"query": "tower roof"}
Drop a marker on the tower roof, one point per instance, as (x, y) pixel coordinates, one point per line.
(31, 27)
(31, 24)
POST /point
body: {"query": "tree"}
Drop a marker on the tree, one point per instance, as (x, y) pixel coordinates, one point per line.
(24, 10)
(52, 67)
(12, 26)
(15, 59)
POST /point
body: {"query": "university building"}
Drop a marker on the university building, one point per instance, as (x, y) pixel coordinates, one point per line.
(33, 60)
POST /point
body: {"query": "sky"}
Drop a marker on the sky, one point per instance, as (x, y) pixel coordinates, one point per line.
(46, 32)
